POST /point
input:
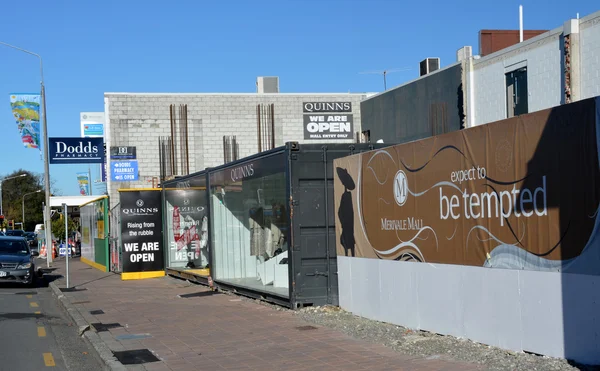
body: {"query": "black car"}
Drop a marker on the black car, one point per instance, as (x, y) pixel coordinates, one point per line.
(32, 241)
(17, 261)
(15, 233)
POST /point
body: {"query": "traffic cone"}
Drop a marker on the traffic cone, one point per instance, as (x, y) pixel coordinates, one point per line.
(54, 251)
(43, 251)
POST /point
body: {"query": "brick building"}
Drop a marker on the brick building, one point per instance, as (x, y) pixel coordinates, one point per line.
(208, 129)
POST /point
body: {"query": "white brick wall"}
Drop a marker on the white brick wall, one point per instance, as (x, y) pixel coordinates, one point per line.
(140, 119)
(542, 55)
(589, 39)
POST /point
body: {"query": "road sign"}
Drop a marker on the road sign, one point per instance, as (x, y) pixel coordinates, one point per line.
(124, 171)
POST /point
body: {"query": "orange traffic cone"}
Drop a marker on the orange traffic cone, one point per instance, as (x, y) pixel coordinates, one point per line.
(54, 251)
(43, 251)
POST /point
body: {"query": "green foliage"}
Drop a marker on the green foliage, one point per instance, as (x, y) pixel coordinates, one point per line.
(58, 228)
(12, 198)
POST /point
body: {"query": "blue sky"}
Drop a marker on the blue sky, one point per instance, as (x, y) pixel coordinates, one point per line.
(92, 47)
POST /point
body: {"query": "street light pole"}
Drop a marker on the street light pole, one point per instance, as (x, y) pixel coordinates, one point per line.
(23, 205)
(47, 224)
(2, 181)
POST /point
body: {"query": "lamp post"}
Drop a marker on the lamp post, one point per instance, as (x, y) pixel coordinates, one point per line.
(23, 206)
(2, 181)
(47, 225)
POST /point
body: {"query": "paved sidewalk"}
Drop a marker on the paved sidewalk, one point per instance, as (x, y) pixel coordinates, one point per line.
(219, 332)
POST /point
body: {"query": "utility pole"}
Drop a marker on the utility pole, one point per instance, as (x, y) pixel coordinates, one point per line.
(47, 224)
(67, 248)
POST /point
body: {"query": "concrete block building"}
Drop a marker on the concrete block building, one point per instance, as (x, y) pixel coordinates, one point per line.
(200, 130)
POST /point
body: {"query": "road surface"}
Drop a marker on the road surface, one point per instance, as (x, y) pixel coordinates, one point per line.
(35, 334)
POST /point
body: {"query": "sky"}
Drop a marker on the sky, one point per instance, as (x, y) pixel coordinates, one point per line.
(92, 47)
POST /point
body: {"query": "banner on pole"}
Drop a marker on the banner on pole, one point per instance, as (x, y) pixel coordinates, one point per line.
(83, 179)
(26, 111)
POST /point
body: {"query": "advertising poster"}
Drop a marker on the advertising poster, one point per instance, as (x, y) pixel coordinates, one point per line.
(99, 219)
(327, 126)
(83, 180)
(141, 234)
(26, 111)
(520, 193)
(187, 227)
(328, 120)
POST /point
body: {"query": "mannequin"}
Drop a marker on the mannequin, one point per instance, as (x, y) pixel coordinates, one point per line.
(204, 241)
(257, 235)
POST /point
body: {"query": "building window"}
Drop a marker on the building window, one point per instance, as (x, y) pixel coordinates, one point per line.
(516, 92)
(249, 228)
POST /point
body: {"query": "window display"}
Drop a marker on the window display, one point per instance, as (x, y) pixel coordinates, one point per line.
(187, 224)
(250, 225)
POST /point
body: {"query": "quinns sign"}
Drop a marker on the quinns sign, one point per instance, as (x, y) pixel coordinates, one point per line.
(520, 193)
(141, 233)
(76, 150)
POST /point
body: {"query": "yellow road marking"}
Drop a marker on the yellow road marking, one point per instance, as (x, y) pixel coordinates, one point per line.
(33, 304)
(41, 331)
(29, 296)
(49, 360)
(37, 312)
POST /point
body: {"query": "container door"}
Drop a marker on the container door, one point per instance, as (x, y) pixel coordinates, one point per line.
(314, 263)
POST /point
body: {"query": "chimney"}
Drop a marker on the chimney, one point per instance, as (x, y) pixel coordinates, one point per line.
(463, 53)
(428, 65)
(267, 84)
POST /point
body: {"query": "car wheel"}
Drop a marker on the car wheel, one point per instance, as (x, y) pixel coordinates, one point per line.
(33, 282)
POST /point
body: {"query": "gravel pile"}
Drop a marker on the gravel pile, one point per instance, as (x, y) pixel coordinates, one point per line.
(429, 345)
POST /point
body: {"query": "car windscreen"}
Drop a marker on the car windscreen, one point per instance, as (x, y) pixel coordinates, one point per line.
(13, 247)
(14, 233)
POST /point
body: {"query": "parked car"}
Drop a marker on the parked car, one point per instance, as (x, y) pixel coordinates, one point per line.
(17, 262)
(15, 232)
(32, 241)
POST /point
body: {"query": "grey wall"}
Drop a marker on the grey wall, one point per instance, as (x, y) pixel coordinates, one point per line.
(422, 108)
(140, 119)
(512, 309)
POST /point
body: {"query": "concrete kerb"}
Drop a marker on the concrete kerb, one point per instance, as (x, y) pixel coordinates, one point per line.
(102, 351)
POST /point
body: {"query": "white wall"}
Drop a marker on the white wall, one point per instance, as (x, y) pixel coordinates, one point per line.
(589, 28)
(542, 56)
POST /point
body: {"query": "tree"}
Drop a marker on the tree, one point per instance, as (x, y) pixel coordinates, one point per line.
(12, 198)
(58, 228)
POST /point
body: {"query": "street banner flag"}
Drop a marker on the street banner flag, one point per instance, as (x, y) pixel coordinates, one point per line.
(84, 183)
(26, 111)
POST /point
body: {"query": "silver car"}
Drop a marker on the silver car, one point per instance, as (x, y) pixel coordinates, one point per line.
(17, 261)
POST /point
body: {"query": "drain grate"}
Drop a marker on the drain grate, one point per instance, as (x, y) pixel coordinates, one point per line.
(81, 302)
(306, 328)
(199, 294)
(96, 312)
(26, 293)
(101, 327)
(132, 336)
(71, 289)
(135, 357)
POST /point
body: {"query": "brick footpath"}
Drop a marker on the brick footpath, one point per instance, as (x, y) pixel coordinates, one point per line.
(219, 332)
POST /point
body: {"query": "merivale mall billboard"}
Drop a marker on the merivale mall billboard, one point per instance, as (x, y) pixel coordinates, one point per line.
(521, 193)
